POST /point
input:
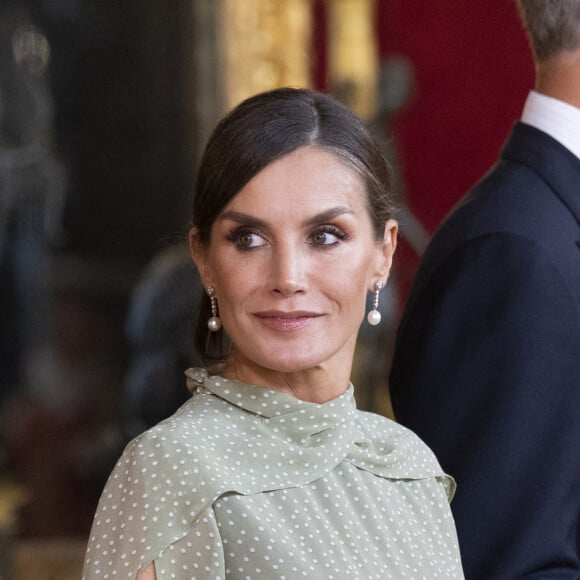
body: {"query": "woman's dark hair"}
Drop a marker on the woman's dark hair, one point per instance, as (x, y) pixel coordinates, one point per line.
(261, 130)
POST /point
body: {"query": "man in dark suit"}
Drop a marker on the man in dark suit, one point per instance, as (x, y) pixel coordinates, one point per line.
(487, 361)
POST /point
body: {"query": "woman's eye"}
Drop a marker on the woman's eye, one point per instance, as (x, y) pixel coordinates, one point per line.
(247, 240)
(326, 238)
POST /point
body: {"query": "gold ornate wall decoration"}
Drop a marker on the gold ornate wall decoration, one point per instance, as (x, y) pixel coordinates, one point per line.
(353, 53)
(264, 44)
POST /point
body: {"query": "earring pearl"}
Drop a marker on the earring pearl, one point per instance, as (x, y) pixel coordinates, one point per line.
(214, 323)
(374, 316)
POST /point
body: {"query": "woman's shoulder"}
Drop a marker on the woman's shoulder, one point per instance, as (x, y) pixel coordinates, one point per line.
(162, 485)
(195, 424)
(384, 428)
(397, 452)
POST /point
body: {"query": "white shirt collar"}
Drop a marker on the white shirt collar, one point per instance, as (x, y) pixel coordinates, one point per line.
(554, 117)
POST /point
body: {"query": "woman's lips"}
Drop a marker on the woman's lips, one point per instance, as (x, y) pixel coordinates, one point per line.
(286, 320)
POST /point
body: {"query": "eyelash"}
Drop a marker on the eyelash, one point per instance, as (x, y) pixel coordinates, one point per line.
(236, 234)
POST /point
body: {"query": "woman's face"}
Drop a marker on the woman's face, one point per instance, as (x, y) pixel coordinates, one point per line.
(291, 258)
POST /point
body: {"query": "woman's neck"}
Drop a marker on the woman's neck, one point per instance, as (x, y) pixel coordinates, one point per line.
(319, 384)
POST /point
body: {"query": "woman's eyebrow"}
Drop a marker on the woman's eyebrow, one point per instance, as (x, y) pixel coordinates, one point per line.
(252, 221)
(243, 218)
(328, 215)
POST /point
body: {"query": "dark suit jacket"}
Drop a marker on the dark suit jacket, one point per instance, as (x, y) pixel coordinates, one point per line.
(487, 362)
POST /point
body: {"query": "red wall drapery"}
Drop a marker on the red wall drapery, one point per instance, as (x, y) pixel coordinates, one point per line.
(473, 69)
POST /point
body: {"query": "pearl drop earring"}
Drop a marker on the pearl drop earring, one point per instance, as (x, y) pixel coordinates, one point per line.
(374, 316)
(214, 323)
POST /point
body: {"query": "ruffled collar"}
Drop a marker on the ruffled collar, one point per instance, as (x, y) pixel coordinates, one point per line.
(320, 436)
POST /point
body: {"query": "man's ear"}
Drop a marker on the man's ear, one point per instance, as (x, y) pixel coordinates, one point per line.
(386, 250)
(198, 251)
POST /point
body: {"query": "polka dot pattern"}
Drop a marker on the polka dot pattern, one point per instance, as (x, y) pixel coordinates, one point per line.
(244, 482)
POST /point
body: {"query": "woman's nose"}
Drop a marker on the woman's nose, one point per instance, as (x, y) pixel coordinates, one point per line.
(289, 271)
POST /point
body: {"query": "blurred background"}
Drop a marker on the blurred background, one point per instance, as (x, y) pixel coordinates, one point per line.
(105, 107)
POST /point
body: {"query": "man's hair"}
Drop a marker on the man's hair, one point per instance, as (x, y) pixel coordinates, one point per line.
(553, 25)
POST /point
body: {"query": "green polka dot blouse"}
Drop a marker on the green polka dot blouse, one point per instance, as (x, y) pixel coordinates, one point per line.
(250, 483)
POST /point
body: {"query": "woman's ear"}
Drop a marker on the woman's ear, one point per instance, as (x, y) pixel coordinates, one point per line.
(386, 250)
(198, 251)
